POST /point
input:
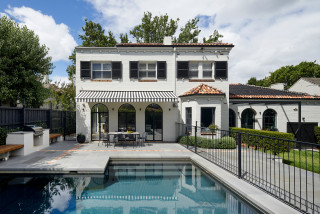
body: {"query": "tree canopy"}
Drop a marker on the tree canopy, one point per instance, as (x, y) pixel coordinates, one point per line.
(288, 74)
(154, 28)
(23, 64)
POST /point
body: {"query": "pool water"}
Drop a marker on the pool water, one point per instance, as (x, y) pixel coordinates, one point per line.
(144, 188)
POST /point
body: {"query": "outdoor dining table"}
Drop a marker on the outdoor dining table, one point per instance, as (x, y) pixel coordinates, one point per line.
(135, 134)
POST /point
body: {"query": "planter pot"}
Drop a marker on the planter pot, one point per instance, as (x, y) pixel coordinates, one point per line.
(81, 138)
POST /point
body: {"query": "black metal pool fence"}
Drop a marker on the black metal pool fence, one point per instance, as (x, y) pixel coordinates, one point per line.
(58, 121)
(277, 166)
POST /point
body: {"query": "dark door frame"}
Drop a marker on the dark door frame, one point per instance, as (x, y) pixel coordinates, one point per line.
(153, 121)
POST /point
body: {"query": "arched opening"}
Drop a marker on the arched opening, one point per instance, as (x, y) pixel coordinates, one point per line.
(232, 118)
(99, 122)
(247, 118)
(154, 122)
(127, 118)
(269, 120)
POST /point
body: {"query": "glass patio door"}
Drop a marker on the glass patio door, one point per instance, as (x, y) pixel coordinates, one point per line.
(99, 122)
(154, 122)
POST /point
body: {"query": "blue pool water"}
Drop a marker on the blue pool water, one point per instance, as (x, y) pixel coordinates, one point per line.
(144, 188)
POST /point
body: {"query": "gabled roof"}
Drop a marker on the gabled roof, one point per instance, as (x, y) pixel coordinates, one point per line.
(203, 89)
(315, 81)
(240, 91)
(216, 44)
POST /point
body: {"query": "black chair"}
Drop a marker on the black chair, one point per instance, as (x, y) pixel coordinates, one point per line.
(106, 140)
(142, 138)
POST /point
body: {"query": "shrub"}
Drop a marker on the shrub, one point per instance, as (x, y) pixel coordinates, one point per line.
(276, 142)
(3, 136)
(317, 133)
(221, 143)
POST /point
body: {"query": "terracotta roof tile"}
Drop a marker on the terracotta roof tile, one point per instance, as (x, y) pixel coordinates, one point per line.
(240, 91)
(203, 89)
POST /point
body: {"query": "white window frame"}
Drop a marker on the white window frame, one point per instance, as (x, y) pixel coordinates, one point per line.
(201, 69)
(147, 70)
(101, 70)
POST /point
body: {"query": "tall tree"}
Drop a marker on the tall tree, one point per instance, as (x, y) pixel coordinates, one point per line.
(213, 38)
(289, 74)
(190, 32)
(94, 36)
(23, 63)
(124, 38)
(154, 29)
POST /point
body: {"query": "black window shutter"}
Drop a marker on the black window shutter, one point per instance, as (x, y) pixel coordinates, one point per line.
(162, 69)
(85, 69)
(221, 70)
(116, 70)
(134, 69)
(183, 69)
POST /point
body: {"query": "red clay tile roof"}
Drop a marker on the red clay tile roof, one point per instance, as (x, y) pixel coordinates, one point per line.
(240, 91)
(216, 44)
(203, 89)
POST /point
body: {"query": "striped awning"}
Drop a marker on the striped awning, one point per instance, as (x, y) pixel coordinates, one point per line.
(126, 96)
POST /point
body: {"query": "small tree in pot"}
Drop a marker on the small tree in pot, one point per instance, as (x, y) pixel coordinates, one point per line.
(213, 128)
(81, 138)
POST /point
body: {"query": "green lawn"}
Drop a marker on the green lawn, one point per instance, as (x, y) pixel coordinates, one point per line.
(292, 158)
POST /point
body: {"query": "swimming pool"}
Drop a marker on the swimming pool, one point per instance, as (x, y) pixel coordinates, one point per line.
(135, 187)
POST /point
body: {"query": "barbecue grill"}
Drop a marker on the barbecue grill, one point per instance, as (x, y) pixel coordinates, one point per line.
(38, 131)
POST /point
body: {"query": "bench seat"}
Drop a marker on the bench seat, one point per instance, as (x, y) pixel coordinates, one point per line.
(6, 149)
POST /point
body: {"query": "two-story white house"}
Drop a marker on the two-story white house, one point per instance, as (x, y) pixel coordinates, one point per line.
(150, 87)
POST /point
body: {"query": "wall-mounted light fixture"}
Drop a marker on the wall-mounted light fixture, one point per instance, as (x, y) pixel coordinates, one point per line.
(112, 109)
(140, 109)
(169, 109)
(303, 119)
(295, 109)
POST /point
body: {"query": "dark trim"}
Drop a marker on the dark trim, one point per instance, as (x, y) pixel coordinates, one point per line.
(217, 68)
(134, 69)
(116, 70)
(162, 70)
(135, 116)
(182, 69)
(99, 119)
(201, 80)
(165, 46)
(202, 95)
(85, 69)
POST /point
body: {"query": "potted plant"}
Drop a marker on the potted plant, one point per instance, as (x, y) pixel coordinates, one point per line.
(213, 128)
(81, 138)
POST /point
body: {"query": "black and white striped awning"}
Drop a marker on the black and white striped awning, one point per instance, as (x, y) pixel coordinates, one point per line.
(126, 96)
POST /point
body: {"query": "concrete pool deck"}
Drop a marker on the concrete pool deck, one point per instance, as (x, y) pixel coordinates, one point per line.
(69, 156)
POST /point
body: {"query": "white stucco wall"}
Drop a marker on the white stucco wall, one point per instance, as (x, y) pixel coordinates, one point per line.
(178, 86)
(304, 86)
(310, 112)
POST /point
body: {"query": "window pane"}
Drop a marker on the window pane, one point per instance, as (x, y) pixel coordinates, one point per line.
(142, 74)
(207, 74)
(142, 66)
(151, 66)
(151, 74)
(96, 74)
(106, 74)
(96, 66)
(107, 66)
(207, 66)
(193, 66)
(193, 74)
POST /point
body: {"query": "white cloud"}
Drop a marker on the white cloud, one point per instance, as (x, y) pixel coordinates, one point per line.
(55, 36)
(59, 79)
(267, 34)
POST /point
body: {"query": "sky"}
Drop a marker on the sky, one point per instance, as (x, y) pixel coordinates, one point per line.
(267, 34)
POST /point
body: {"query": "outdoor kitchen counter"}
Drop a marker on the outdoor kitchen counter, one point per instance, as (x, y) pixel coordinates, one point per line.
(31, 143)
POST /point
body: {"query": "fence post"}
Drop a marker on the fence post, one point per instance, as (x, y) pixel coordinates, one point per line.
(24, 112)
(239, 155)
(195, 137)
(50, 117)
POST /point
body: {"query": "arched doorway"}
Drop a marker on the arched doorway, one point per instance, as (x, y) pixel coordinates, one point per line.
(99, 122)
(247, 118)
(154, 122)
(232, 118)
(127, 118)
(269, 120)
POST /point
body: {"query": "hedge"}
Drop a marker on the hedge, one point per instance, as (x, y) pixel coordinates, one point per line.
(317, 133)
(276, 146)
(222, 143)
(3, 136)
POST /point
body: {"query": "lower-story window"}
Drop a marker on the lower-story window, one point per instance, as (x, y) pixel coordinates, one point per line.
(189, 119)
(207, 118)
(127, 118)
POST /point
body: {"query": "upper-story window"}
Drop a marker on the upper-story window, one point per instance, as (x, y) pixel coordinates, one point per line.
(195, 70)
(147, 70)
(101, 70)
